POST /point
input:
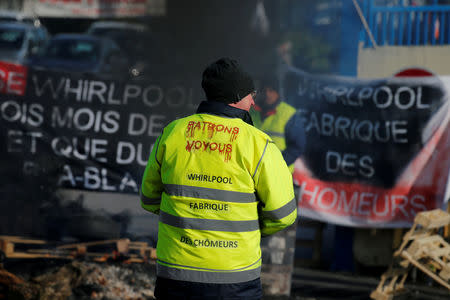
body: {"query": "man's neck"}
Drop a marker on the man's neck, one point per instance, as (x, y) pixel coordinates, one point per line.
(225, 110)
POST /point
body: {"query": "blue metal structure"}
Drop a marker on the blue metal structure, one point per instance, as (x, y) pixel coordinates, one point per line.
(400, 25)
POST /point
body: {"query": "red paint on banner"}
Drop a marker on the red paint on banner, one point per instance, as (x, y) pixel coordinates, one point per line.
(13, 79)
(363, 201)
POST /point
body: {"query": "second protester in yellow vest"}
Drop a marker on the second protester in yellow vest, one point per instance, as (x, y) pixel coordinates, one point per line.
(277, 119)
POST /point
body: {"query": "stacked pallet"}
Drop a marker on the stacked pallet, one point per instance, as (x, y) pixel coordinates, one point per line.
(20, 248)
(423, 248)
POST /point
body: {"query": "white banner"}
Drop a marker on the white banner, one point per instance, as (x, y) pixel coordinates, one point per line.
(99, 8)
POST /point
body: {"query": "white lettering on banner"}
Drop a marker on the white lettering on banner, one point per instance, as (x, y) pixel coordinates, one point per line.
(98, 89)
(78, 90)
(367, 131)
(153, 96)
(90, 91)
(364, 203)
(128, 153)
(131, 91)
(67, 177)
(378, 100)
(48, 85)
(94, 181)
(128, 182)
(20, 142)
(140, 124)
(398, 130)
(31, 114)
(349, 164)
(85, 119)
(383, 97)
(81, 123)
(320, 198)
(94, 178)
(360, 203)
(80, 149)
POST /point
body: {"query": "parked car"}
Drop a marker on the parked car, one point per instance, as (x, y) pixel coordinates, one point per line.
(135, 39)
(94, 57)
(20, 41)
(13, 16)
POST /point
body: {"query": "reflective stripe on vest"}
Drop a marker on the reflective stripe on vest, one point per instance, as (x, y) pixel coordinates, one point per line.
(259, 162)
(149, 201)
(275, 134)
(208, 224)
(207, 275)
(281, 212)
(209, 193)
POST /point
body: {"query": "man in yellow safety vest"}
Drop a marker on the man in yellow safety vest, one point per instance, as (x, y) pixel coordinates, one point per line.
(277, 118)
(218, 184)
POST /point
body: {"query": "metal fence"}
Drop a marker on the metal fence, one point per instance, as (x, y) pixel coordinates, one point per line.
(402, 25)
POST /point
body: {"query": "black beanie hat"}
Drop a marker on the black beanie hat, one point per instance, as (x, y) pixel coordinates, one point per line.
(225, 81)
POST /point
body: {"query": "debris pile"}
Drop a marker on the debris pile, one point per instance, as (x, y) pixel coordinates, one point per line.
(82, 280)
(117, 282)
(109, 269)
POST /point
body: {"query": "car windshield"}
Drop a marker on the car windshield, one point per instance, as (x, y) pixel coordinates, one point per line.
(11, 38)
(76, 50)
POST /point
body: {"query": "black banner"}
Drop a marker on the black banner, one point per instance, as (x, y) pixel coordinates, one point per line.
(365, 131)
(91, 134)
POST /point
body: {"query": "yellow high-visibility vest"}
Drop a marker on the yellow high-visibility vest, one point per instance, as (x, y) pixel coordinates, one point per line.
(274, 124)
(218, 184)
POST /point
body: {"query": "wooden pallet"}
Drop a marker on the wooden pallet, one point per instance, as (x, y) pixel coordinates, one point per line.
(391, 285)
(134, 251)
(422, 248)
(131, 251)
(432, 256)
(425, 224)
(8, 247)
